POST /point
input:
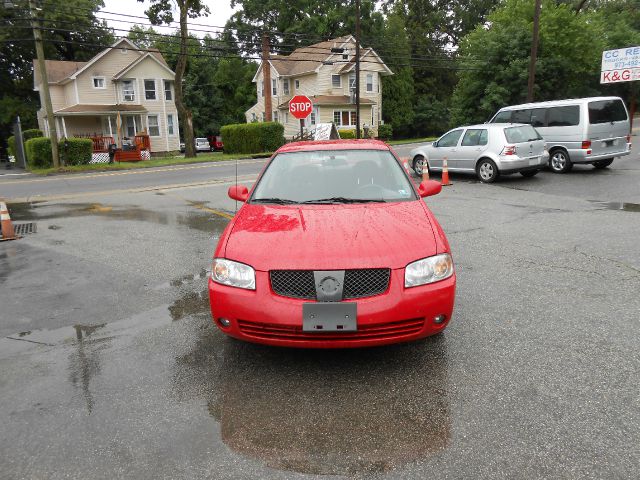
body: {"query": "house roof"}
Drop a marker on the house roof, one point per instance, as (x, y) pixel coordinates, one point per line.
(57, 70)
(307, 59)
(82, 109)
(331, 100)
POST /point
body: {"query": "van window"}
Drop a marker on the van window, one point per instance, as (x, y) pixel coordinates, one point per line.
(605, 111)
(538, 117)
(474, 137)
(502, 117)
(521, 116)
(564, 116)
(525, 133)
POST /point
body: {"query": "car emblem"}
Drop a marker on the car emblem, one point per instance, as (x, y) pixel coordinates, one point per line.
(329, 285)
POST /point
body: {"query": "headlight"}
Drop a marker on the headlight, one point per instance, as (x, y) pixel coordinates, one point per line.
(234, 274)
(428, 270)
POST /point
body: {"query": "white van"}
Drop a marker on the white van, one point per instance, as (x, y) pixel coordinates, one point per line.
(582, 130)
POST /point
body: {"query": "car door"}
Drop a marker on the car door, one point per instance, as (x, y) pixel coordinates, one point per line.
(474, 142)
(446, 146)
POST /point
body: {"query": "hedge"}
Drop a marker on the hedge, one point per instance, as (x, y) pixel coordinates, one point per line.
(385, 131)
(75, 151)
(11, 145)
(252, 137)
(347, 134)
(38, 152)
(26, 135)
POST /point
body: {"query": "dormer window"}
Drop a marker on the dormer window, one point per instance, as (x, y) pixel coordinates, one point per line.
(345, 54)
(98, 82)
(128, 91)
(124, 50)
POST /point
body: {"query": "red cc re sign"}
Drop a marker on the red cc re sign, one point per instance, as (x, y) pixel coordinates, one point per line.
(300, 106)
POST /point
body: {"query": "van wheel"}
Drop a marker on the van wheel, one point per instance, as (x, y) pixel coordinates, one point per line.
(559, 161)
(487, 171)
(600, 164)
(418, 164)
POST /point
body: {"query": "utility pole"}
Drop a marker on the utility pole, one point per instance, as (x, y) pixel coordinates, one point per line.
(357, 68)
(266, 73)
(534, 51)
(44, 83)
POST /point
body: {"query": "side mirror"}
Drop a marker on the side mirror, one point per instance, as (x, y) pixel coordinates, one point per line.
(429, 188)
(435, 144)
(238, 192)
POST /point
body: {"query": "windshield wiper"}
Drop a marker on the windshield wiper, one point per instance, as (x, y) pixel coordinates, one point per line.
(279, 201)
(345, 200)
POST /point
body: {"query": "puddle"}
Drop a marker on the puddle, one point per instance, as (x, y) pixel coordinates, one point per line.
(196, 220)
(624, 206)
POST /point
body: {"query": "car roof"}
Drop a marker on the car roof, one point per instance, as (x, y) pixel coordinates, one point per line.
(367, 144)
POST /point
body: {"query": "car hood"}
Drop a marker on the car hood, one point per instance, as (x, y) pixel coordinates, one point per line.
(331, 237)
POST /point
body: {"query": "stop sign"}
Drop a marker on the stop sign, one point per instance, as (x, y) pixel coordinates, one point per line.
(300, 106)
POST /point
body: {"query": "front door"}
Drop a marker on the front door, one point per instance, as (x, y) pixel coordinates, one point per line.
(446, 147)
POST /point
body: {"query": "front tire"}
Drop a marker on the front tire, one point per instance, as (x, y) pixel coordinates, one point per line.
(418, 165)
(600, 164)
(559, 161)
(529, 173)
(487, 171)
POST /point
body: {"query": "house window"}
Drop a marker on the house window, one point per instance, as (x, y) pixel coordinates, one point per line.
(312, 118)
(170, 128)
(286, 117)
(150, 89)
(264, 116)
(128, 91)
(154, 127)
(124, 50)
(369, 82)
(168, 95)
(253, 117)
(98, 82)
(285, 86)
(344, 118)
(274, 86)
(262, 88)
(130, 124)
(345, 54)
(297, 84)
(275, 115)
(336, 81)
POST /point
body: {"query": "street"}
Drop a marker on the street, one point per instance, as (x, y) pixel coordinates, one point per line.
(110, 365)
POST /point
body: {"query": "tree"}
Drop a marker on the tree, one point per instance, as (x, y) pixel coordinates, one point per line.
(161, 11)
(495, 58)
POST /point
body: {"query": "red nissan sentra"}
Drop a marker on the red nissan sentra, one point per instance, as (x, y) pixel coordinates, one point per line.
(333, 248)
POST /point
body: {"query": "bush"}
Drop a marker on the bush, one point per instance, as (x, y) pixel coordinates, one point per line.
(38, 152)
(31, 133)
(11, 145)
(252, 137)
(385, 131)
(347, 134)
(75, 151)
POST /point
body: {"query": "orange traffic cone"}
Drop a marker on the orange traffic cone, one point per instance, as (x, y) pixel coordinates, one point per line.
(5, 222)
(425, 171)
(445, 173)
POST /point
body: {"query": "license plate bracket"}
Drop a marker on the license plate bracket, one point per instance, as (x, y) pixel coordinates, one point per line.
(534, 161)
(329, 317)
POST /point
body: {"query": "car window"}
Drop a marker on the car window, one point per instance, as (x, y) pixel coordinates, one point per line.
(303, 177)
(564, 116)
(502, 117)
(605, 111)
(522, 133)
(474, 137)
(450, 139)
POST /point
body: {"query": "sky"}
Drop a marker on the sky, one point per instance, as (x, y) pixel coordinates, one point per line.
(221, 11)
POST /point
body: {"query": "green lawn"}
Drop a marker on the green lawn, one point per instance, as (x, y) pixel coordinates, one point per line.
(412, 140)
(154, 162)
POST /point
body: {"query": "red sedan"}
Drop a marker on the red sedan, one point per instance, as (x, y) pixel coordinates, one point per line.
(333, 247)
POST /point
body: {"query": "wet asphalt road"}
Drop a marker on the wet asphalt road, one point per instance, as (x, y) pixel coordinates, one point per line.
(111, 368)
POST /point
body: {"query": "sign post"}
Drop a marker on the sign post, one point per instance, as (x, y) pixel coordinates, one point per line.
(622, 65)
(300, 107)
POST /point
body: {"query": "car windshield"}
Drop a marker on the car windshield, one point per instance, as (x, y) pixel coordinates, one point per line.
(333, 176)
(524, 133)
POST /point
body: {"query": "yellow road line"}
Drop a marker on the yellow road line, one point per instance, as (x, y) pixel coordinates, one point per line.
(131, 172)
(202, 207)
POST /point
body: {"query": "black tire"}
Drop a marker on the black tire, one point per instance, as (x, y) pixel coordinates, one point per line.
(600, 164)
(417, 165)
(559, 161)
(487, 171)
(529, 173)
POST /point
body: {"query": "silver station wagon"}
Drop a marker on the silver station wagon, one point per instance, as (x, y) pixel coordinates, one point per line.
(488, 150)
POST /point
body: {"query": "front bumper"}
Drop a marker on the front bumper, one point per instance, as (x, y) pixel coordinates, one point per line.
(513, 164)
(399, 315)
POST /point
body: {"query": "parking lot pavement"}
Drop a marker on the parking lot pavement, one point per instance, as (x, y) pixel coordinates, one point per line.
(110, 366)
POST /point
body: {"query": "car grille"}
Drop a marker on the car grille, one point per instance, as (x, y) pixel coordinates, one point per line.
(391, 330)
(358, 283)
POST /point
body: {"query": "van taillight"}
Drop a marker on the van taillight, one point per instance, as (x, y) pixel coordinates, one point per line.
(628, 138)
(586, 144)
(509, 150)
